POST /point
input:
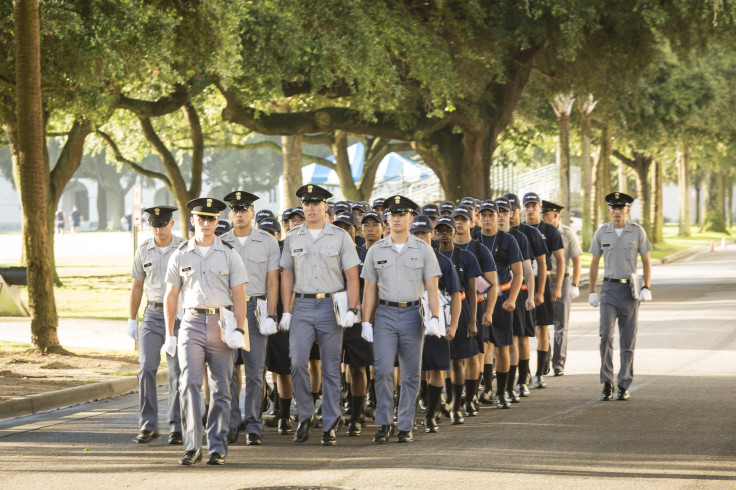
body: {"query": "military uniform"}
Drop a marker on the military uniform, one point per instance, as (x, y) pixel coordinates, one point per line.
(149, 267)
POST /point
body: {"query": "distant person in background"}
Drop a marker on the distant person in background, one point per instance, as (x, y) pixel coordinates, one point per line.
(60, 220)
(75, 219)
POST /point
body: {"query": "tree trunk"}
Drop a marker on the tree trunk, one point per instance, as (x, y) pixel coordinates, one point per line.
(562, 106)
(292, 146)
(586, 110)
(603, 185)
(656, 209)
(698, 185)
(595, 193)
(729, 202)
(623, 181)
(101, 207)
(715, 196)
(683, 187)
(339, 148)
(643, 193)
(34, 177)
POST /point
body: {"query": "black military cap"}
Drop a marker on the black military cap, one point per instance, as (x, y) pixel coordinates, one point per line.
(294, 211)
(421, 224)
(378, 202)
(488, 206)
(445, 221)
(240, 200)
(462, 211)
(222, 227)
(513, 201)
(284, 216)
(313, 193)
(361, 206)
(503, 204)
(371, 215)
(347, 218)
(206, 207)
(270, 224)
(263, 214)
(160, 216)
(619, 200)
(468, 202)
(447, 206)
(399, 204)
(341, 207)
(532, 197)
(431, 210)
(548, 206)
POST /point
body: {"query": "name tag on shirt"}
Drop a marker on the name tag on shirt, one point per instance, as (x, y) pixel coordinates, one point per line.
(382, 261)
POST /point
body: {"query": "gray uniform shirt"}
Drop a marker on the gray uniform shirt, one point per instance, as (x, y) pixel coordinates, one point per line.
(260, 254)
(206, 282)
(571, 246)
(149, 266)
(318, 263)
(620, 253)
(400, 276)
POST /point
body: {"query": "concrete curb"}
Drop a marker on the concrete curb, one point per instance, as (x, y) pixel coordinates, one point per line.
(68, 397)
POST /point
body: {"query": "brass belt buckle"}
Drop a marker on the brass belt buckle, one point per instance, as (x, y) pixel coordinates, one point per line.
(403, 304)
(248, 298)
(320, 295)
(211, 311)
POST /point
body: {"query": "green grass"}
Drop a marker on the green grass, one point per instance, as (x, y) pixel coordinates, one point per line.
(19, 347)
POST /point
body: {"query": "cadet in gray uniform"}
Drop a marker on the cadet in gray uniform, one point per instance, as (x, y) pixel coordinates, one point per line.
(314, 257)
(397, 270)
(570, 291)
(211, 276)
(619, 241)
(260, 253)
(149, 267)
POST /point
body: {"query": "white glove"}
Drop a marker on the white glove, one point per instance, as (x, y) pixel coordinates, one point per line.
(349, 319)
(593, 300)
(170, 345)
(367, 332)
(268, 326)
(285, 321)
(236, 340)
(433, 328)
(645, 294)
(573, 292)
(133, 329)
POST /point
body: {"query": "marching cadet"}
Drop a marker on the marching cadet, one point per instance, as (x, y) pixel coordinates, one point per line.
(377, 205)
(211, 276)
(284, 221)
(500, 319)
(432, 211)
(260, 254)
(446, 208)
(570, 290)
(619, 241)
(472, 204)
(463, 346)
(358, 210)
(149, 268)
(396, 271)
(545, 311)
(315, 256)
(436, 351)
(263, 214)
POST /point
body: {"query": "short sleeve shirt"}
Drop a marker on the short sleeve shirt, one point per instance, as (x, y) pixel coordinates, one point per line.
(536, 241)
(523, 242)
(620, 253)
(449, 281)
(260, 254)
(206, 282)
(508, 252)
(570, 243)
(400, 276)
(468, 267)
(481, 254)
(318, 263)
(149, 267)
(552, 239)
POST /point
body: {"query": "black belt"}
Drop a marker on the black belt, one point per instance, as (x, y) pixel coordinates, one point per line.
(253, 298)
(314, 296)
(155, 305)
(400, 304)
(209, 311)
(619, 281)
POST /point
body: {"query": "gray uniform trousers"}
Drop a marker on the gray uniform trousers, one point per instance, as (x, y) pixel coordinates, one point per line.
(397, 330)
(254, 363)
(617, 303)
(150, 340)
(200, 342)
(561, 309)
(315, 319)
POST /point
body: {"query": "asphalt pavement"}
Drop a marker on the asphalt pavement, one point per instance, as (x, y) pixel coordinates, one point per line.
(677, 431)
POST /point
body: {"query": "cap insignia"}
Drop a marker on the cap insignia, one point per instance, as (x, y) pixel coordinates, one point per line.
(237, 196)
(157, 211)
(209, 203)
(397, 199)
(617, 195)
(309, 189)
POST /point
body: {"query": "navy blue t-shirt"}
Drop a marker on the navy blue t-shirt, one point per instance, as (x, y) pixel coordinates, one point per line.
(485, 261)
(509, 253)
(359, 240)
(469, 268)
(449, 280)
(552, 239)
(536, 242)
(523, 242)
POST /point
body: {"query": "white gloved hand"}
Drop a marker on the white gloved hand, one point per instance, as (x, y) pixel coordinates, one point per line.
(573, 292)
(133, 329)
(268, 326)
(349, 319)
(170, 345)
(285, 322)
(367, 332)
(236, 340)
(593, 300)
(433, 327)
(645, 294)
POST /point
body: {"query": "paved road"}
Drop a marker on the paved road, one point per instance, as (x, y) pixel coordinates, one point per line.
(677, 431)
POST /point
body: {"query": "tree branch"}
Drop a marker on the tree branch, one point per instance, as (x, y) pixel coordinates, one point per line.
(172, 169)
(69, 160)
(136, 167)
(195, 129)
